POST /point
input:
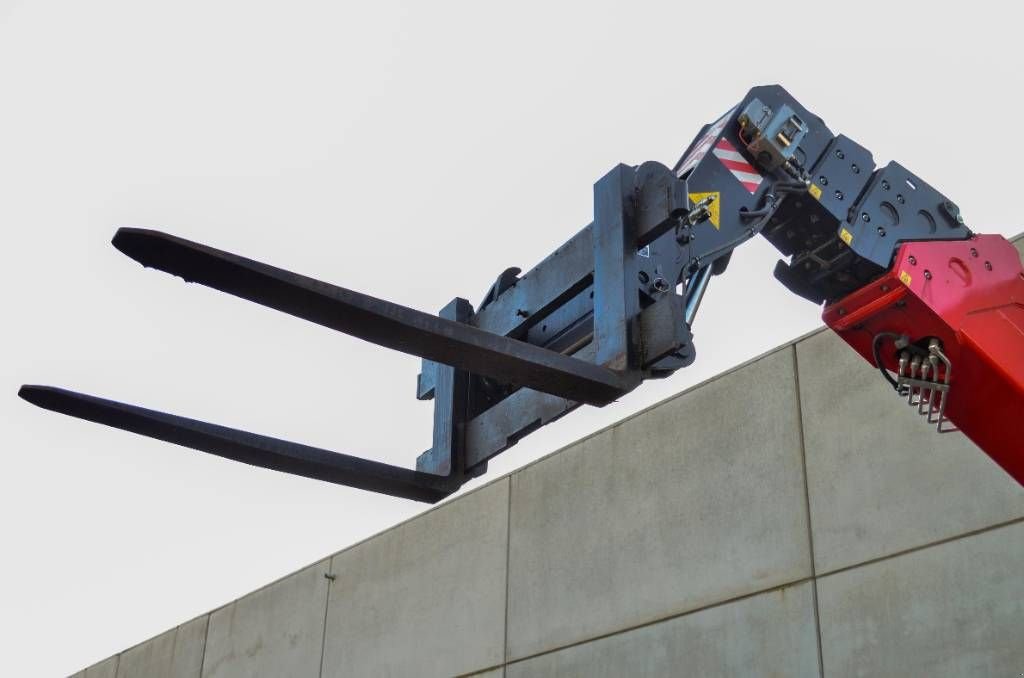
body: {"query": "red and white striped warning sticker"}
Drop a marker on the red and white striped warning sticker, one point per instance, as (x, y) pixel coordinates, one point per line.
(738, 165)
(701, 148)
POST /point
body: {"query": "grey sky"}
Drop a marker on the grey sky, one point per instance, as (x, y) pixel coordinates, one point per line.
(409, 150)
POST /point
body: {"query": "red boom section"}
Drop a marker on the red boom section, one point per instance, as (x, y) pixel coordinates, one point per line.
(970, 295)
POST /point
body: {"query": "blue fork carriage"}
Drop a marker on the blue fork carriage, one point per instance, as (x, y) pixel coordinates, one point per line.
(525, 358)
(611, 307)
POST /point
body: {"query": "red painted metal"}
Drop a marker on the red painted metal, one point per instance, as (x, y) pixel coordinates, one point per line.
(970, 295)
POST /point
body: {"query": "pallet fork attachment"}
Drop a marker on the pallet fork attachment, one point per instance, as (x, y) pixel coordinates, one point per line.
(470, 370)
(616, 303)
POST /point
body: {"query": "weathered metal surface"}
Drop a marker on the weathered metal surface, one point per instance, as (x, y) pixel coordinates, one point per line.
(542, 289)
(381, 322)
(451, 395)
(249, 448)
(616, 301)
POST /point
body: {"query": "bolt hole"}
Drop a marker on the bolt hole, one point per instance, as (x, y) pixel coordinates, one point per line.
(543, 328)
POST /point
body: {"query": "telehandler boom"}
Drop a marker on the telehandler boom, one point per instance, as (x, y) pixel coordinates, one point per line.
(935, 307)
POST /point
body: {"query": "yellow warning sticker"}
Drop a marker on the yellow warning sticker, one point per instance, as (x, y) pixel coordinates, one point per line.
(714, 209)
(905, 278)
(815, 191)
(846, 236)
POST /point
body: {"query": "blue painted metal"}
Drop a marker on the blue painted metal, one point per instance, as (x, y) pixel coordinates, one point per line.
(612, 306)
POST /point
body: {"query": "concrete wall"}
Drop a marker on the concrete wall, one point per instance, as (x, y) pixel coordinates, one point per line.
(817, 527)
